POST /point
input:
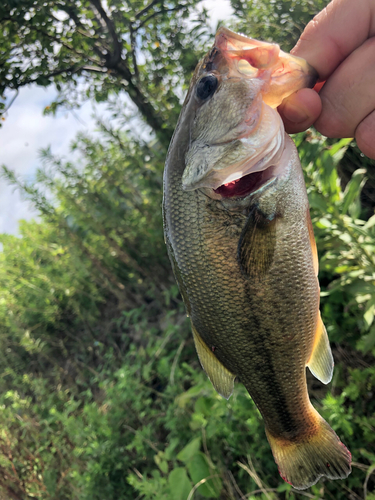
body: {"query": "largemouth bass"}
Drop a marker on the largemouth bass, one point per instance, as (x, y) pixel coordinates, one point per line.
(241, 243)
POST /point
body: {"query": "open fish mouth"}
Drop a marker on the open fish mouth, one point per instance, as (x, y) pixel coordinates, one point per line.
(248, 184)
(226, 172)
(237, 134)
(255, 181)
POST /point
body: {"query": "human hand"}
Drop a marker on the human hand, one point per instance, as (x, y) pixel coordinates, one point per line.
(338, 44)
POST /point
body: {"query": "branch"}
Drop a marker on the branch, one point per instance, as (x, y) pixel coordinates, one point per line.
(112, 60)
(145, 107)
(71, 69)
(72, 15)
(132, 45)
(94, 69)
(117, 46)
(68, 46)
(180, 7)
(146, 9)
(76, 21)
(10, 103)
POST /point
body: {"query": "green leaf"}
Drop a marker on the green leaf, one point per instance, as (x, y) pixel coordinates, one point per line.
(369, 313)
(179, 484)
(190, 450)
(169, 451)
(367, 342)
(370, 223)
(185, 397)
(323, 223)
(353, 189)
(161, 462)
(204, 405)
(198, 470)
(163, 466)
(340, 147)
(317, 201)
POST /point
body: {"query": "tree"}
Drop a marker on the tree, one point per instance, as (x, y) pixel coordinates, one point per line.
(90, 49)
(280, 21)
(101, 391)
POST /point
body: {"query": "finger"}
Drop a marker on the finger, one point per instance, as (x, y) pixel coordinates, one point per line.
(348, 95)
(335, 32)
(300, 110)
(365, 134)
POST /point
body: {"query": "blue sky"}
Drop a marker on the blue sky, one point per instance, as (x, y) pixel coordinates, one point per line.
(25, 131)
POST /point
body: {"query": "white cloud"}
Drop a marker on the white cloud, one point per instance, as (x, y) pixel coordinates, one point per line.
(24, 132)
(218, 10)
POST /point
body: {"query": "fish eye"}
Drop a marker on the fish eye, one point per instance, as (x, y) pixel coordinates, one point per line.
(206, 87)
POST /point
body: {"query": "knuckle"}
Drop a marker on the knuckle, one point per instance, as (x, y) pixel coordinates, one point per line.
(317, 23)
(334, 120)
(365, 134)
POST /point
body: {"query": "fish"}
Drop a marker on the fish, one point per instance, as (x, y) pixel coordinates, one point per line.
(241, 243)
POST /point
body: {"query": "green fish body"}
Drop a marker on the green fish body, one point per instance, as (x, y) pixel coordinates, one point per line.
(240, 239)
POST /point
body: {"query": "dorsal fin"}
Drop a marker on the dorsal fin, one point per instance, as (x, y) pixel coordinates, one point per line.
(321, 359)
(221, 378)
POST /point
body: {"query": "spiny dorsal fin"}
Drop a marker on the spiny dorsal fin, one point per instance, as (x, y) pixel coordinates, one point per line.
(256, 247)
(221, 378)
(321, 359)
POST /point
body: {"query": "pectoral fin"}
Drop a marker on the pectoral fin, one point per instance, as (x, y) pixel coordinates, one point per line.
(221, 378)
(321, 359)
(257, 243)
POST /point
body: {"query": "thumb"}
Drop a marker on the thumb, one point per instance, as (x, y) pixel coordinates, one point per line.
(300, 110)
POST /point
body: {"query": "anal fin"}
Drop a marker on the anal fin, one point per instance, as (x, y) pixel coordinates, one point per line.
(321, 359)
(221, 378)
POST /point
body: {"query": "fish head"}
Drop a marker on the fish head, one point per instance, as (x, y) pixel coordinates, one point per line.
(236, 136)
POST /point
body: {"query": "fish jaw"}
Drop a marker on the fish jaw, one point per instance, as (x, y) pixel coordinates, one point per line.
(255, 187)
(282, 73)
(216, 165)
(254, 77)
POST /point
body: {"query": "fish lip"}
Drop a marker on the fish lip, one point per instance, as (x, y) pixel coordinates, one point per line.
(234, 46)
(224, 35)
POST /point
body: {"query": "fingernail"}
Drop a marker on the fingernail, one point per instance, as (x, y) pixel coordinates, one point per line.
(294, 113)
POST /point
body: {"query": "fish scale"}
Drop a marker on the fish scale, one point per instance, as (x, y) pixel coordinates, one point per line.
(221, 299)
(246, 263)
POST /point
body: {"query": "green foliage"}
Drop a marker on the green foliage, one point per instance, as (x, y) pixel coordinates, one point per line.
(92, 49)
(347, 261)
(101, 392)
(280, 21)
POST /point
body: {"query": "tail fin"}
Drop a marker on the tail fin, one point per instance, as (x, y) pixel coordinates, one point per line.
(303, 462)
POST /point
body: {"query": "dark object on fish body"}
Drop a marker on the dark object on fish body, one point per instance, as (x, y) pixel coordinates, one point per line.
(241, 243)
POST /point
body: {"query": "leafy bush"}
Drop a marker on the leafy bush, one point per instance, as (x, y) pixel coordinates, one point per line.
(102, 394)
